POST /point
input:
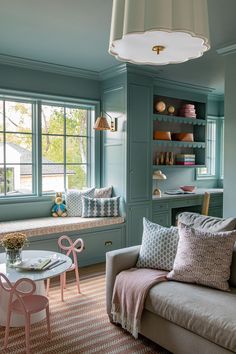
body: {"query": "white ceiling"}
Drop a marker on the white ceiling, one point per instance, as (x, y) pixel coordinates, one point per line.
(75, 33)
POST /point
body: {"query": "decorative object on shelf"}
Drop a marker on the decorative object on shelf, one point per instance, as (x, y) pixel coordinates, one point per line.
(188, 188)
(102, 123)
(185, 159)
(159, 135)
(59, 208)
(182, 136)
(158, 175)
(13, 244)
(188, 110)
(160, 106)
(171, 110)
(159, 32)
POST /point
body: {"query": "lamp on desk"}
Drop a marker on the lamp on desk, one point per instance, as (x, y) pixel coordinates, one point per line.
(160, 176)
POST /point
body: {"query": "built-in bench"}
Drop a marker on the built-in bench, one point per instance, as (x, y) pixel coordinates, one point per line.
(99, 234)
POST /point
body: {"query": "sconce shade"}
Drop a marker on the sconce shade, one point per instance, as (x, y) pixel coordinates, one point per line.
(101, 124)
(158, 175)
(158, 32)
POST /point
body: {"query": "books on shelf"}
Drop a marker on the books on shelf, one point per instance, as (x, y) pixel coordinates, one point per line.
(185, 159)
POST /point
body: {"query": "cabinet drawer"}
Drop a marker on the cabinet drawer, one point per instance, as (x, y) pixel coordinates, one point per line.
(161, 219)
(97, 244)
(159, 207)
(216, 200)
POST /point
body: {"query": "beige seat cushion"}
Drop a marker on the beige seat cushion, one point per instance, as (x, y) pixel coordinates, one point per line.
(207, 312)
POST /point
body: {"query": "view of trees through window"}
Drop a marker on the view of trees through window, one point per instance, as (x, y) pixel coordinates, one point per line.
(63, 146)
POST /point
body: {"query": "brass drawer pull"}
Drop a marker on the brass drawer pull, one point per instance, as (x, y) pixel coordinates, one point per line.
(108, 243)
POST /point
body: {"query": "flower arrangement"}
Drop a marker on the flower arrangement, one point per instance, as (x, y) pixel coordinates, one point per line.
(14, 241)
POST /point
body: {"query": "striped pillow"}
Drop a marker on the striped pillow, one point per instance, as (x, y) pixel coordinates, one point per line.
(100, 207)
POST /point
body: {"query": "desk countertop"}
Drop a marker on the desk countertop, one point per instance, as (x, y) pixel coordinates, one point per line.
(199, 192)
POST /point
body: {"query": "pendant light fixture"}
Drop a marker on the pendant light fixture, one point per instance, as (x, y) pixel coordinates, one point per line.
(158, 32)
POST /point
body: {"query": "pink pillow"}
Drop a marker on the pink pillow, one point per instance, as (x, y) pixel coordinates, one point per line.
(203, 257)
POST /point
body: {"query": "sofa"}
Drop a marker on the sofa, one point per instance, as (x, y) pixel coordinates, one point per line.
(181, 317)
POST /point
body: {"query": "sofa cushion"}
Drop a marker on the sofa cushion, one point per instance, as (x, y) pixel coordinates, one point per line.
(159, 246)
(209, 223)
(207, 312)
(203, 257)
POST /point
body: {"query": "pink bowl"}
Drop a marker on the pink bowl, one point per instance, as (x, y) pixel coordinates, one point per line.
(188, 188)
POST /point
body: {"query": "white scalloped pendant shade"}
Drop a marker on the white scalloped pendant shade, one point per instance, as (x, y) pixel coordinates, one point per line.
(159, 32)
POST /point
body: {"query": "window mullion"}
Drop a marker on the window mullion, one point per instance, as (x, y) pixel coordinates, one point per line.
(65, 161)
(39, 149)
(4, 149)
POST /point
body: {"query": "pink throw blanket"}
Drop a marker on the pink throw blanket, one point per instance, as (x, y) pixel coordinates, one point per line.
(129, 295)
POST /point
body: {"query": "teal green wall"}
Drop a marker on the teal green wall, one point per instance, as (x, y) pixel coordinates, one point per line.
(230, 141)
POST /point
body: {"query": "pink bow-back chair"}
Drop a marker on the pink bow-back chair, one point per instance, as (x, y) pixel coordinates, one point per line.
(73, 248)
(23, 302)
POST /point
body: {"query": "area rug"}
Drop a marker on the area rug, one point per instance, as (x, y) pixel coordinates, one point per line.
(79, 325)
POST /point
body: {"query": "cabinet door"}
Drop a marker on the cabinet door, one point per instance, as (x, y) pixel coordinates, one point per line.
(139, 138)
(135, 223)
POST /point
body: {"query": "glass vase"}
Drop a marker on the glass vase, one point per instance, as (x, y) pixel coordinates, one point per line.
(13, 256)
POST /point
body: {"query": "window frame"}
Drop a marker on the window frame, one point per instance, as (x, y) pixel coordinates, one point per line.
(218, 149)
(93, 148)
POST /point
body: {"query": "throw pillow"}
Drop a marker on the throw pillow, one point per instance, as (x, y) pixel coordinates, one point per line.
(105, 192)
(100, 207)
(73, 200)
(208, 223)
(159, 246)
(203, 257)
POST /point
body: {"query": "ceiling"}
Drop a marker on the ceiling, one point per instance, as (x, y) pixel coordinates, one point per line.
(75, 33)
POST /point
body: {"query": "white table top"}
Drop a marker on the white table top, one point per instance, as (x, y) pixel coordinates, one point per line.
(15, 274)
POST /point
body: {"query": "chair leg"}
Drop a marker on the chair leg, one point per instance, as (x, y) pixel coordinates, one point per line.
(27, 333)
(48, 322)
(47, 287)
(8, 320)
(62, 286)
(65, 280)
(77, 279)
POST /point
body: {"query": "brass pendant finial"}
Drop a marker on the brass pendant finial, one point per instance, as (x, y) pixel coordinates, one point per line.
(158, 48)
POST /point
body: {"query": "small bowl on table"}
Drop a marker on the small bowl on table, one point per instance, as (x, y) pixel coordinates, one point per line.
(188, 188)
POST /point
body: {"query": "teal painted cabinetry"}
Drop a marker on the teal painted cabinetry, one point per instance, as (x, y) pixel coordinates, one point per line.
(166, 209)
(135, 222)
(97, 242)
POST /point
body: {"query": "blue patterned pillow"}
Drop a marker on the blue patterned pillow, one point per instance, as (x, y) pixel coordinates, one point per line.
(73, 199)
(100, 207)
(159, 246)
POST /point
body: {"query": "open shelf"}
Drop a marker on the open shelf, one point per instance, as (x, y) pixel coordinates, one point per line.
(158, 167)
(177, 119)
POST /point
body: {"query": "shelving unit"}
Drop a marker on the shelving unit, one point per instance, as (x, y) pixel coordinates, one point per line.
(180, 124)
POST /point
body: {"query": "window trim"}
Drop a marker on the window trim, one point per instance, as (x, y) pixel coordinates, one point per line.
(37, 98)
(219, 121)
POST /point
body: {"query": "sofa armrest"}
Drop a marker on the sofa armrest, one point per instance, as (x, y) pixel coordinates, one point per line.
(116, 261)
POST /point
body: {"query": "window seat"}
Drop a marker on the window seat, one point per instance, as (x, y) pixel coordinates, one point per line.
(51, 225)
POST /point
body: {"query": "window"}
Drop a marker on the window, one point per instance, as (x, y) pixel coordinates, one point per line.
(45, 146)
(214, 136)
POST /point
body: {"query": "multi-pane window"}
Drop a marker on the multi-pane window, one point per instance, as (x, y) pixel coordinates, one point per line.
(44, 146)
(214, 151)
(16, 141)
(65, 149)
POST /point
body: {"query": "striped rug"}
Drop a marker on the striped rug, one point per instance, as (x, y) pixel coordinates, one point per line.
(79, 325)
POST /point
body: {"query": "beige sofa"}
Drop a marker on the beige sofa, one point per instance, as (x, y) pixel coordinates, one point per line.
(183, 318)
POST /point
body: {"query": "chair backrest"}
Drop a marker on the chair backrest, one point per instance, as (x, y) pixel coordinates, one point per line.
(16, 289)
(73, 247)
(206, 203)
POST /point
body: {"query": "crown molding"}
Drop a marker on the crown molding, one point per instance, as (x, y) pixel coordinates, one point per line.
(216, 96)
(112, 71)
(48, 67)
(227, 50)
(162, 82)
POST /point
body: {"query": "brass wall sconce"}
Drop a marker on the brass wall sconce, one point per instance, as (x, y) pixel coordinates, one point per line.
(102, 123)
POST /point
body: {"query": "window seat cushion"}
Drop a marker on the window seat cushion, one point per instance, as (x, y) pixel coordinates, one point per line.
(50, 225)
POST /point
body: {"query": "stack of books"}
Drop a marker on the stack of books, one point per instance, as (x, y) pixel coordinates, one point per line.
(40, 263)
(185, 159)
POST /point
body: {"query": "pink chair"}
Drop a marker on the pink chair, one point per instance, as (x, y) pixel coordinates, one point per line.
(74, 248)
(24, 303)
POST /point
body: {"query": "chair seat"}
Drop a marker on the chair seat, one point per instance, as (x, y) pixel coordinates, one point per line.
(33, 303)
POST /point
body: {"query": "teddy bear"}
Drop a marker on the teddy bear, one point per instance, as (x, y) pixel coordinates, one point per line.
(59, 208)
